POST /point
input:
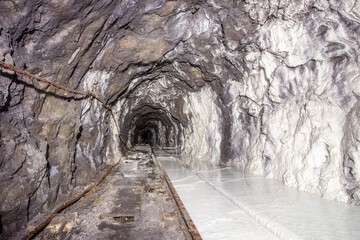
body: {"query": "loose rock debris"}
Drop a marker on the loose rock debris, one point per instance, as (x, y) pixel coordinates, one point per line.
(133, 202)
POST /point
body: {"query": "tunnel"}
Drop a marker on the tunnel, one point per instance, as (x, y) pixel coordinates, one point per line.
(149, 125)
(269, 88)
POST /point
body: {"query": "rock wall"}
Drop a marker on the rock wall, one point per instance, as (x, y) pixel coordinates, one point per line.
(306, 61)
(270, 87)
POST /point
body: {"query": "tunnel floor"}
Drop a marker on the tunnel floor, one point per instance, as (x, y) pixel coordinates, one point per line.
(226, 204)
(133, 202)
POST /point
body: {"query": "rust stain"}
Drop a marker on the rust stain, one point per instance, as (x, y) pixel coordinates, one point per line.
(190, 224)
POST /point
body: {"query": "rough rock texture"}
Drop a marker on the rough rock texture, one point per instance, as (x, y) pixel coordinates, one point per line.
(133, 202)
(269, 86)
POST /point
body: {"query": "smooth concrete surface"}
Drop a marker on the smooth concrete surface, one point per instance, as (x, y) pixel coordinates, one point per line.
(226, 205)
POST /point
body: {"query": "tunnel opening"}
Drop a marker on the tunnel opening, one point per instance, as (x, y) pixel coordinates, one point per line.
(153, 126)
(147, 134)
(146, 137)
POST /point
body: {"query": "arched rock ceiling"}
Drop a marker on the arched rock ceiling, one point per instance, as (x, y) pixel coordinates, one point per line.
(268, 86)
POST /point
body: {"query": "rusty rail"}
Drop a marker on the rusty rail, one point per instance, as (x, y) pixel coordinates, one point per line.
(188, 221)
(42, 225)
(185, 215)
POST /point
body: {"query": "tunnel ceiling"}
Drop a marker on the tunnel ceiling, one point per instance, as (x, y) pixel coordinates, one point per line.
(271, 87)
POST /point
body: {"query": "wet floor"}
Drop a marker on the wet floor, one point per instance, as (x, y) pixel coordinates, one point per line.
(225, 205)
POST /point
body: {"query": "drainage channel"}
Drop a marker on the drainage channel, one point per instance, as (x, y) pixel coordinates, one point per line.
(215, 216)
(224, 206)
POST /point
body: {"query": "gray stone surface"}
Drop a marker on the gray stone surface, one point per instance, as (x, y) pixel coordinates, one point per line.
(271, 87)
(133, 202)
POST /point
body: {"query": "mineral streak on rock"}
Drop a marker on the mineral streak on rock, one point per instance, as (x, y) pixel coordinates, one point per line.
(271, 87)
